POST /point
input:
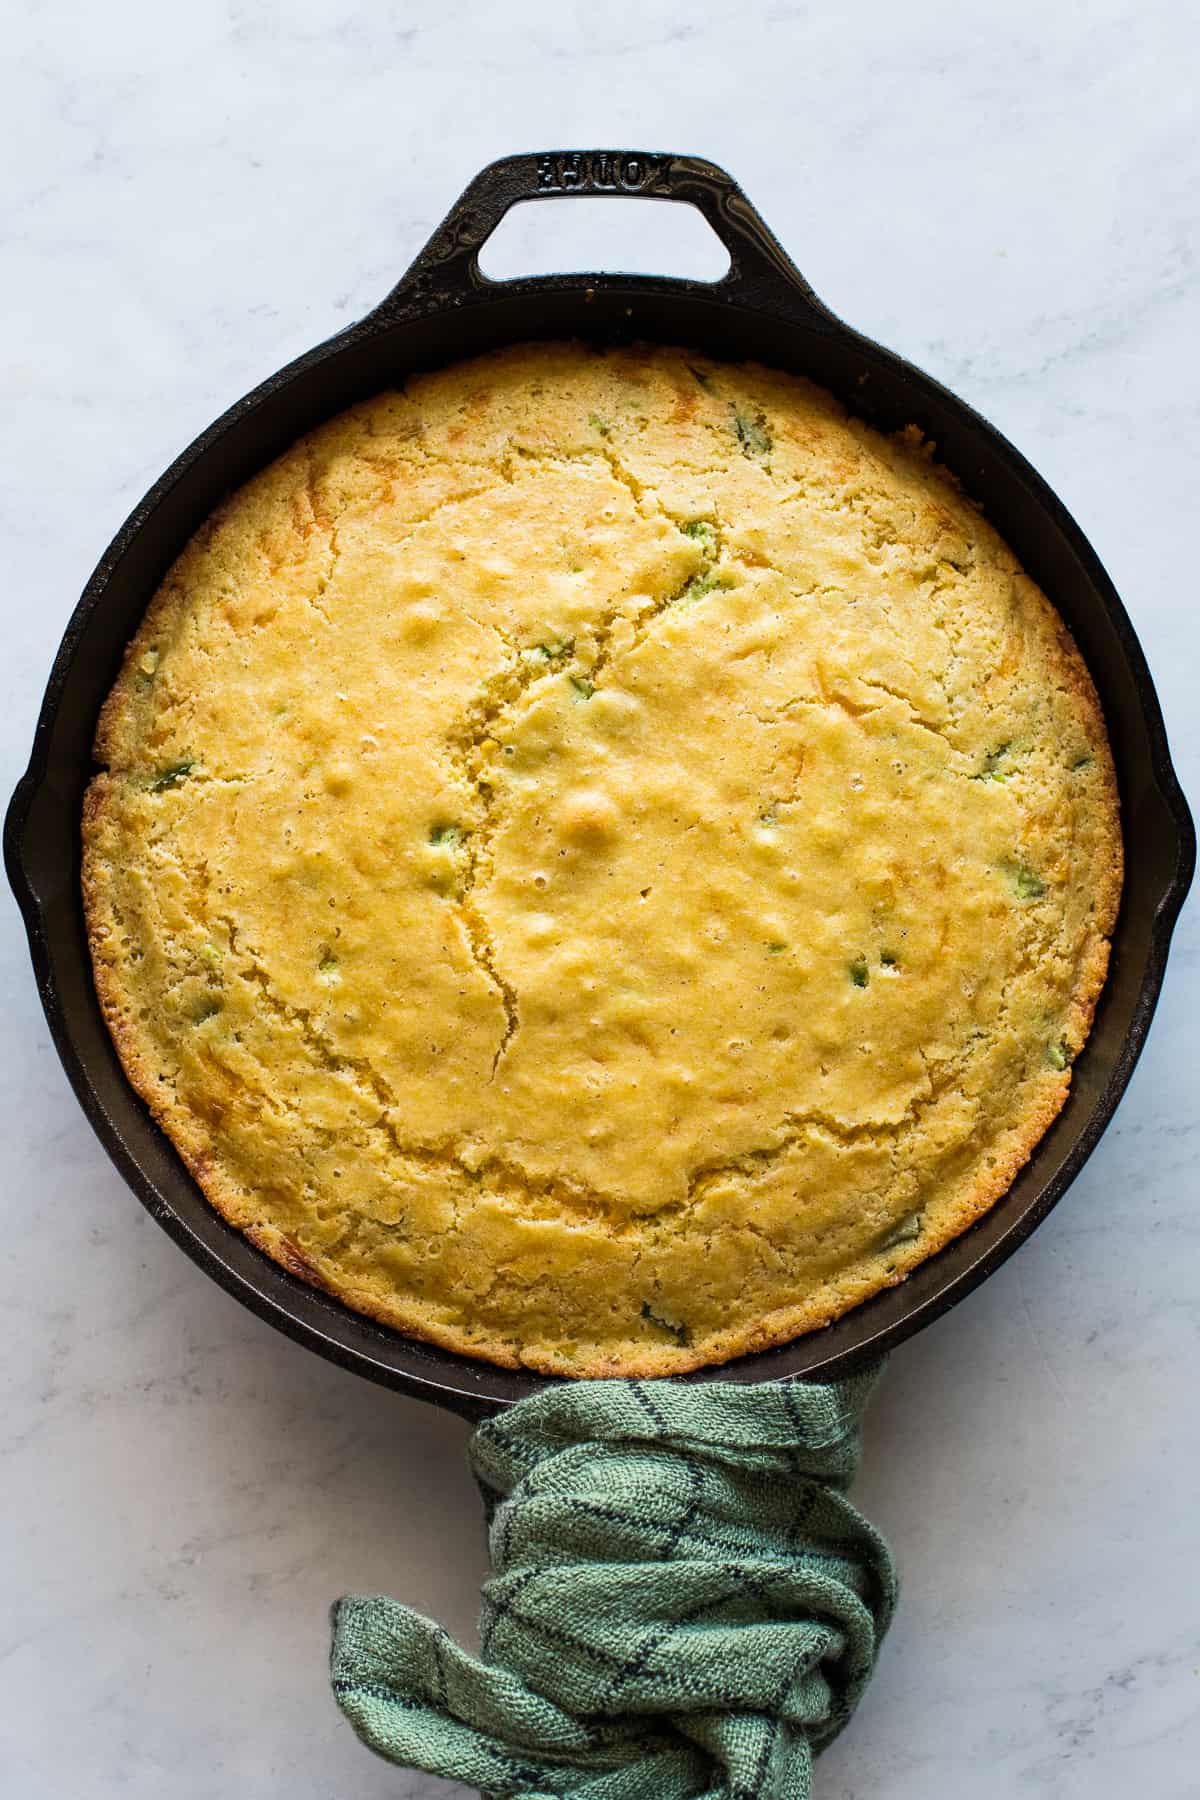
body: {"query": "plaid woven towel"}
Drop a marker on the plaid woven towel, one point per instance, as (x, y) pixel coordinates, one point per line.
(683, 1604)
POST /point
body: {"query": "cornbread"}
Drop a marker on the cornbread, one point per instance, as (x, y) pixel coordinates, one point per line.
(601, 861)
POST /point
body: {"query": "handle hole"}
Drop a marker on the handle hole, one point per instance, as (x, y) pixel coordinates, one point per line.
(623, 236)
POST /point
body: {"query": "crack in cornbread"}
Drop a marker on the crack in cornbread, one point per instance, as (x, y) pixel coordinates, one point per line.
(601, 861)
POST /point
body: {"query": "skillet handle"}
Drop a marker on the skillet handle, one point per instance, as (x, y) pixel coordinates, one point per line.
(447, 270)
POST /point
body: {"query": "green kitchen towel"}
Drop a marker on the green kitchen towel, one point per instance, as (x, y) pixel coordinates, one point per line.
(683, 1604)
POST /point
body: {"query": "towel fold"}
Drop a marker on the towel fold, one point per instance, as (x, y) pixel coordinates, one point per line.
(683, 1603)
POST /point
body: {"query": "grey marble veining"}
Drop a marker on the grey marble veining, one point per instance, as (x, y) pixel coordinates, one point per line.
(1007, 194)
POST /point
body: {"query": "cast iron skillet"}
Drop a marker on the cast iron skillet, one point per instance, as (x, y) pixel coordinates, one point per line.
(444, 309)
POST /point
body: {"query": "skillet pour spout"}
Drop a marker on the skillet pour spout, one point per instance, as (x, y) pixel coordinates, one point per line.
(442, 310)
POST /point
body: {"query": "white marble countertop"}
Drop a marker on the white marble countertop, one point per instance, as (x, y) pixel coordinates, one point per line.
(1008, 193)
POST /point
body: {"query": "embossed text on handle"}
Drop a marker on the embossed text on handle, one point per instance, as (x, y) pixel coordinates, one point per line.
(598, 172)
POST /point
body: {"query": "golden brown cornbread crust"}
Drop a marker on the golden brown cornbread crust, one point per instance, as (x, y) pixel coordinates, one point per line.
(601, 862)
